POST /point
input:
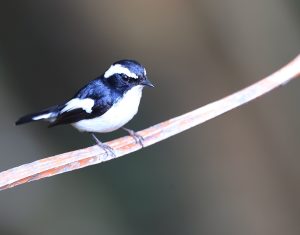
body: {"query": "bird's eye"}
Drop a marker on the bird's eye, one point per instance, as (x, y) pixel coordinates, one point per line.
(125, 78)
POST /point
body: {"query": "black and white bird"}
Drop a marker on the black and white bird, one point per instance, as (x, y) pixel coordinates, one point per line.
(103, 105)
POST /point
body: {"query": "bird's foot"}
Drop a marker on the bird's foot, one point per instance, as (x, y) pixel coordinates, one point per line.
(108, 150)
(138, 138)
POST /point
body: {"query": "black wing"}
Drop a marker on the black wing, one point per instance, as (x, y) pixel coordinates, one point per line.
(70, 117)
(103, 98)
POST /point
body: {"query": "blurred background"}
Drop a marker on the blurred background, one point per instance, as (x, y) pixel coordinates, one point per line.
(236, 174)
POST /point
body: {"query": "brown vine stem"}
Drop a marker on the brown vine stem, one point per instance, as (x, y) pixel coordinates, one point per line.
(73, 160)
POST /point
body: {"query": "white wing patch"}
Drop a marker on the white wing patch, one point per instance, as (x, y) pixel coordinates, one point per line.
(76, 103)
(119, 69)
(117, 116)
(43, 116)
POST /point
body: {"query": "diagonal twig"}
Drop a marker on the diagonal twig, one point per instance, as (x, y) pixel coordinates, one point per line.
(77, 159)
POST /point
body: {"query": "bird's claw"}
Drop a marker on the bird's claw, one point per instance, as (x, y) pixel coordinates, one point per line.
(138, 138)
(108, 150)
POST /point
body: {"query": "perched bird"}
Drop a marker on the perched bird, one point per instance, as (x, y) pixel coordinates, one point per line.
(103, 105)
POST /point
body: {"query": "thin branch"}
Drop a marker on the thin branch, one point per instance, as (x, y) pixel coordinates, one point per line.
(93, 155)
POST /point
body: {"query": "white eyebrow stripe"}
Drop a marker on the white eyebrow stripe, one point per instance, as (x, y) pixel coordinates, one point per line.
(76, 103)
(119, 69)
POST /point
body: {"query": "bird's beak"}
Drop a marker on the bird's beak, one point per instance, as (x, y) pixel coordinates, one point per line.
(146, 82)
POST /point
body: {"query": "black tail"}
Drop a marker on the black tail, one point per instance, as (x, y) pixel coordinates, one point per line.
(46, 114)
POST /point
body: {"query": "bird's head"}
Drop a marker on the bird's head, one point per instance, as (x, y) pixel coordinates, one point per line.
(126, 74)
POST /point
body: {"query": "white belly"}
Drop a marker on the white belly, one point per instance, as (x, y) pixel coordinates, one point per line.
(117, 116)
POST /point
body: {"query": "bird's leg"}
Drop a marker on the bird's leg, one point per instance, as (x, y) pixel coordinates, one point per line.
(138, 138)
(105, 147)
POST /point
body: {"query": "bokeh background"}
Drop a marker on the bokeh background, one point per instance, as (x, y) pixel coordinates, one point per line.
(236, 174)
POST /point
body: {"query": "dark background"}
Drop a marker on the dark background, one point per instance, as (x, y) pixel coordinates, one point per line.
(236, 174)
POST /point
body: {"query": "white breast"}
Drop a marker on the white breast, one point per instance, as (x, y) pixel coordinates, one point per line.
(117, 116)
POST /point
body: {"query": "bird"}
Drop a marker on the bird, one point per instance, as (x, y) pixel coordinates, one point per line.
(103, 105)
